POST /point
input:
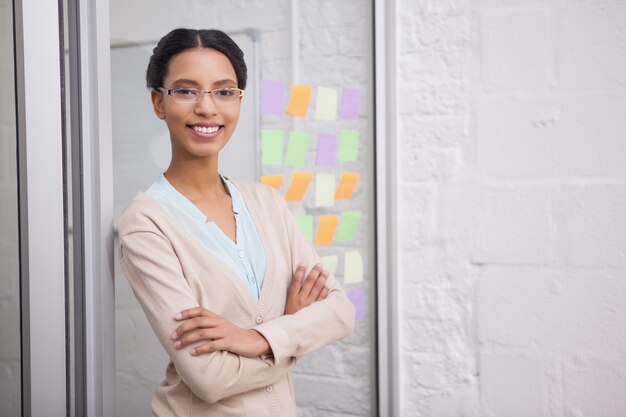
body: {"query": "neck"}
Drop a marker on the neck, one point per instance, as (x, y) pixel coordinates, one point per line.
(195, 178)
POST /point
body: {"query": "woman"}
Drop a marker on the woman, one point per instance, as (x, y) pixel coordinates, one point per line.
(231, 287)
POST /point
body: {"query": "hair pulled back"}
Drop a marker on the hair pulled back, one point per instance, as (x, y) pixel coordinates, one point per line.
(180, 40)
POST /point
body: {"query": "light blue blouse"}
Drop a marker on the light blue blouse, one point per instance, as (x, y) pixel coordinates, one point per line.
(246, 257)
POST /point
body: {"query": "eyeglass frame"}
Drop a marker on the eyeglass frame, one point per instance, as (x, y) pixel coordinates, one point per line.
(169, 92)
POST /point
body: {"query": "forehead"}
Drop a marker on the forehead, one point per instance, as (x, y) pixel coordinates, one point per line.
(202, 65)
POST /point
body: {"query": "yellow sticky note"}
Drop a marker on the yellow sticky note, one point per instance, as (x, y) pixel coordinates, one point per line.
(299, 183)
(352, 267)
(274, 180)
(326, 104)
(330, 263)
(326, 230)
(299, 100)
(324, 190)
(347, 183)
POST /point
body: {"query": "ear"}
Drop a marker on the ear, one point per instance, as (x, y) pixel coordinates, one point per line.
(157, 104)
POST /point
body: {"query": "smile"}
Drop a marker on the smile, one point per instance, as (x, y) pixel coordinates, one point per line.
(205, 129)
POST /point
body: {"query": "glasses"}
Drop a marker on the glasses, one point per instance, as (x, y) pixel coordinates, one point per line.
(193, 95)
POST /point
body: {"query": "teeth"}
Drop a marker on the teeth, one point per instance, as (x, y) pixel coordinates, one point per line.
(203, 129)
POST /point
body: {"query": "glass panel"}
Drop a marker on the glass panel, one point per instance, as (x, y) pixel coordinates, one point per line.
(333, 43)
(10, 381)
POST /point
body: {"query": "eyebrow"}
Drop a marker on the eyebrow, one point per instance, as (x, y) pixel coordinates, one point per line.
(225, 81)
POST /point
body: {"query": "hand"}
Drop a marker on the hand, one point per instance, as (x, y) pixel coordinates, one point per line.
(302, 295)
(200, 324)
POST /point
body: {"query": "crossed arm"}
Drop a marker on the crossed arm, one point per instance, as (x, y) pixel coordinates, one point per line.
(218, 334)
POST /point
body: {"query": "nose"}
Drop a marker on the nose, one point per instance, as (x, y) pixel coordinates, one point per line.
(206, 105)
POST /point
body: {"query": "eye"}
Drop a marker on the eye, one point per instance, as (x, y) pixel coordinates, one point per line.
(185, 92)
(224, 92)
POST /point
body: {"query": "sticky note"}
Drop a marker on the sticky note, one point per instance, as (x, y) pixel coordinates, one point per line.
(326, 150)
(297, 148)
(326, 230)
(305, 221)
(274, 180)
(349, 107)
(326, 104)
(272, 147)
(299, 100)
(273, 97)
(358, 300)
(324, 190)
(330, 263)
(346, 186)
(347, 225)
(348, 145)
(352, 267)
(299, 183)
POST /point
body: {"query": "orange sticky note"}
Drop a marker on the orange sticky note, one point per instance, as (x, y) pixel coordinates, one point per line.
(326, 230)
(299, 100)
(274, 180)
(299, 183)
(347, 183)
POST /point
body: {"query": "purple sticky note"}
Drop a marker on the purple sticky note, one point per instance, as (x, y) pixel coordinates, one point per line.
(349, 108)
(326, 150)
(273, 97)
(358, 299)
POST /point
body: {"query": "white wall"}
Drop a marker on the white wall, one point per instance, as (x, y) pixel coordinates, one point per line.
(512, 134)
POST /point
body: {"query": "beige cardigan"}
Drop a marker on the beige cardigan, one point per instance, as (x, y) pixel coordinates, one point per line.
(169, 272)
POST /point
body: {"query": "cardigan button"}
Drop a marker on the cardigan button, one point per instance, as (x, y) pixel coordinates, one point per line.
(269, 388)
(259, 320)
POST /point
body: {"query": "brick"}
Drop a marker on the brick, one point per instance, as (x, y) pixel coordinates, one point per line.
(595, 225)
(589, 45)
(551, 311)
(514, 54)
(595, 387)
(418, 215)
(347, 395)
(515, 225)
(552, 137)
(514, 385)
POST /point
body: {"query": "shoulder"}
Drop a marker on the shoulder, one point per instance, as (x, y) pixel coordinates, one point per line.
(141, 215)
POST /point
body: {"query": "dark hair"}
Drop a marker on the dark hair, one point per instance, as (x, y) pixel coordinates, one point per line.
(180, 40)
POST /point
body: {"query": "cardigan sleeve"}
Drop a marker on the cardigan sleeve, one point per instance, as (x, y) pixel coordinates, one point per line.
(151, 266)
(317, 325)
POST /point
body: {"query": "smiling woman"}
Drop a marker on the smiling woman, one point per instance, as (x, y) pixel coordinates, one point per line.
(231, 286)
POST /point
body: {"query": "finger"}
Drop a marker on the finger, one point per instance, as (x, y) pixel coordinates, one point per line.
(193, 312)
(209, 347)
(195, 323)
(296, 281)
(318, 286)
(323, 294)
(198, 336)
(310, 280)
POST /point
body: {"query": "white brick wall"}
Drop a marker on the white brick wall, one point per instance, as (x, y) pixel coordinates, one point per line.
(513, 179)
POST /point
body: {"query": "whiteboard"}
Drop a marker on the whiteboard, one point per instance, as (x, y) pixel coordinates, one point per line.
(141, 143)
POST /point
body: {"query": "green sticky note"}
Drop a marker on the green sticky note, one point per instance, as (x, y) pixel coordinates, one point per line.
(326, 105)
(330, 263)
(348, 145)
(272, 146)
(324, 190)
(297, 148)
(347, 225)
(305, 221)
(353, 267)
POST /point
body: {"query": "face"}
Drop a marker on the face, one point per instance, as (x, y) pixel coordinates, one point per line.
(198, 130)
